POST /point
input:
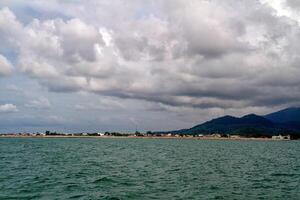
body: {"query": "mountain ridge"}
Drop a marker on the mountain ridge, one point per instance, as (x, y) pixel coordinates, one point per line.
(286, 115)
(280, 122)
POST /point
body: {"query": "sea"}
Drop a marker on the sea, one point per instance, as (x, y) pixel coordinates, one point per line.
(127, 168)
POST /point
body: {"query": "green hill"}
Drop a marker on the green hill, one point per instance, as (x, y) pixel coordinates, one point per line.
(282, 122)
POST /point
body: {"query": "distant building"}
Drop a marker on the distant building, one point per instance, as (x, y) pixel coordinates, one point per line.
(235, 136)
(215, 135)
(287, 137)
(280, 137)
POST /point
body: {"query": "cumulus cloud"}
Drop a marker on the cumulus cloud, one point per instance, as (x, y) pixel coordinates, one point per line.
(8, 108)
(5, 66)
(199, 54)
(10, 27)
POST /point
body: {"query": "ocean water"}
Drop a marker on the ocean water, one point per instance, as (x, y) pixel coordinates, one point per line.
(67, 168)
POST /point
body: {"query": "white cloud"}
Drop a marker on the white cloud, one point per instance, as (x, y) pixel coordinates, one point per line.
(5, 66)
(8, 108)
(40, 103)
(10, 28)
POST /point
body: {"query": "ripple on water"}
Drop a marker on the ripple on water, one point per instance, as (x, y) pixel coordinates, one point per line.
(148, 169)
(104, 180)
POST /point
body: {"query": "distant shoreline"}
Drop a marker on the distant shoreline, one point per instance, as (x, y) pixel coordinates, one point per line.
(149, 137)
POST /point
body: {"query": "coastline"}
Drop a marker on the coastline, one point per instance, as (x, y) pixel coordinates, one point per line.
(149, 137)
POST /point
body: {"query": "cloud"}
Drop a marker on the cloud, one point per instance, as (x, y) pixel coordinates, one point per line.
(293, 4)
(40, 103)
(5, 66)
(101, 104)
(8, 108)
(10, 29)
(200, 54)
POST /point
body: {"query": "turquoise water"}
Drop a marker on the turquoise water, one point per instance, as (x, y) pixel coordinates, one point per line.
(67, 168)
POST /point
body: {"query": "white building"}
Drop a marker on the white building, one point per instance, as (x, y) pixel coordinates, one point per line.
(280, 137)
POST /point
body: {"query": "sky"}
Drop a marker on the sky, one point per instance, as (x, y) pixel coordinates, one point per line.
(98, 65)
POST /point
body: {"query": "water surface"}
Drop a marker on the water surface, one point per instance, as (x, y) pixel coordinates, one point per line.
(81, 168)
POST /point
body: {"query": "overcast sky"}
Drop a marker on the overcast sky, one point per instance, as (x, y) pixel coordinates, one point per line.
(97, 65)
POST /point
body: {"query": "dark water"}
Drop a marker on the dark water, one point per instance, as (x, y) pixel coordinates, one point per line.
(148, 169)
